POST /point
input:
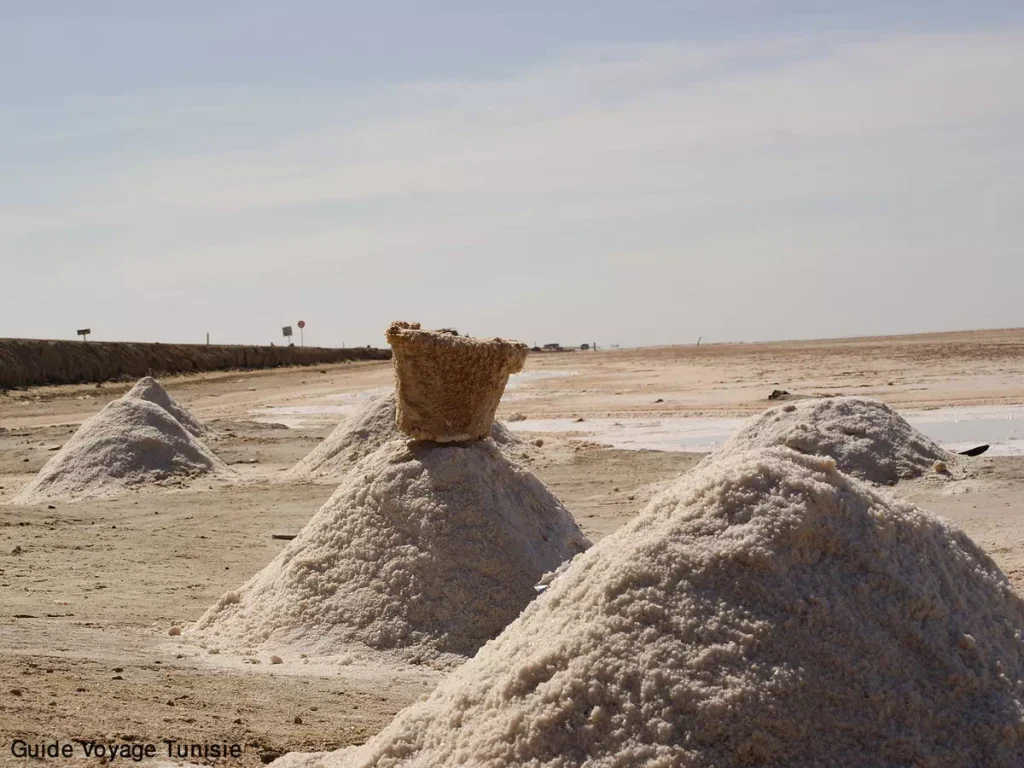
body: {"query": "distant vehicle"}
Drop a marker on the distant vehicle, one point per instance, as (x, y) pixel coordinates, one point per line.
(584, 346)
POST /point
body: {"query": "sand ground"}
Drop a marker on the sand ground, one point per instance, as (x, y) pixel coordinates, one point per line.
(89, 590)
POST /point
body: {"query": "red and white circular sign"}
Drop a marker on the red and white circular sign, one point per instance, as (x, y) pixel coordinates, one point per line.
(302, 323)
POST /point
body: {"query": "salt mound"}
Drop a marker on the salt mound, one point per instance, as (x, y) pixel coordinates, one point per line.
(506, 440)
(867, 438)
(430, 549)
(131, 442)
(363, 433)
(149, 389)
(766, 610)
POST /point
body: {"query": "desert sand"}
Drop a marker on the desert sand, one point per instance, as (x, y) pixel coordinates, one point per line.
(91, 588)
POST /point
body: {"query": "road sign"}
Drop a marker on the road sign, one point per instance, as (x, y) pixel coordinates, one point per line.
(302, 324)
(83, 332)
(286, 331)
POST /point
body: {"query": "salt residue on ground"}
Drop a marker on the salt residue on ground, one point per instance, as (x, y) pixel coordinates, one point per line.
(424, 549)
(766, 610)
(149, 389)
(132, 442)
(867, 438)
(364, 432)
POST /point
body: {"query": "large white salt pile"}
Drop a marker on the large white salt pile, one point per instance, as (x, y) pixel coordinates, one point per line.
(364, 432)
(426, 549)
(765, 611)
(131, 442)
(867, 438)
(149, 389)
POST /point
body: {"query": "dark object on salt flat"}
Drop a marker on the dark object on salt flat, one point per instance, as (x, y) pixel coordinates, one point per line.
(783, 395)
(283, 536)
(975, 451)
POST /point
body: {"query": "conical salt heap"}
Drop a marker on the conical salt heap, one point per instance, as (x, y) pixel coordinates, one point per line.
(364, 432)
(867, 438)
(765, 611)
(134, 441)
(148, 388)
(425, 551)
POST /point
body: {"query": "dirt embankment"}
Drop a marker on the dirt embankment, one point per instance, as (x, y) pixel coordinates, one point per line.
(32, 362)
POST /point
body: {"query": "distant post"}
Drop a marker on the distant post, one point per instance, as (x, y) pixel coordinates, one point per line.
(207, 338)
(302, 336)
(84, 333)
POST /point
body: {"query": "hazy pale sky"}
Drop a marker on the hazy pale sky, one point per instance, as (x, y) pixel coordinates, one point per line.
(627, 172)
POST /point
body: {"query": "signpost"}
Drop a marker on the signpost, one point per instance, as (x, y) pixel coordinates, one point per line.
(84, 332)
(287, 333)
(302, 337)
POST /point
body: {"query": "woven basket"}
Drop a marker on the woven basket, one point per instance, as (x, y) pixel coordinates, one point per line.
(449, 386)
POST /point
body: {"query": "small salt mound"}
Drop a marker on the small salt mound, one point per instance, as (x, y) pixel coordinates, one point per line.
(867, 438)
(766, 610)
(364, 432)
(506, 439)
(149, 389)
(131, 442)
(427, 548)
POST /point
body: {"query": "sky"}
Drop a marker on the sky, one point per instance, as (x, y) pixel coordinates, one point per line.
(565, 171)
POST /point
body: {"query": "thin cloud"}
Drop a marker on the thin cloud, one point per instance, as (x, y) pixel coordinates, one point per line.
(603, 153)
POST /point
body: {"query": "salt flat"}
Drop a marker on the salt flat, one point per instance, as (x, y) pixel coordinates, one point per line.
(88, 600)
